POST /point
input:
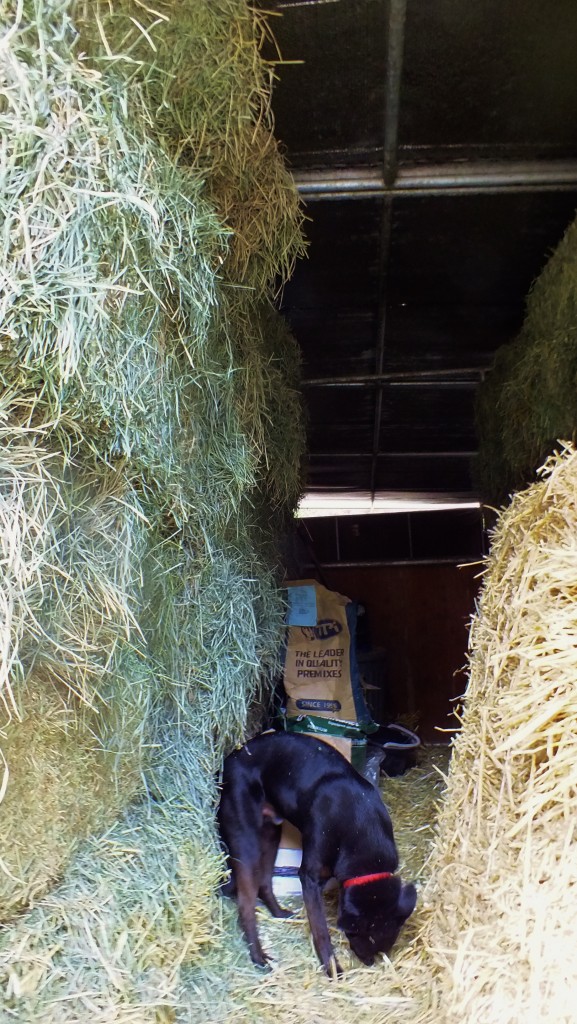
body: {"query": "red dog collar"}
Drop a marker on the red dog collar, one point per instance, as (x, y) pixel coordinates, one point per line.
(364, 879)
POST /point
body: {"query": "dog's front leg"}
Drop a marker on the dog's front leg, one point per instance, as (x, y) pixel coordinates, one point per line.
(313, 900)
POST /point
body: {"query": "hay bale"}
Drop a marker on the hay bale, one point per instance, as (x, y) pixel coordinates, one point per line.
(200, 72)
(150, 460)
(528, 400)
(503, 889)
(74, 691)
(136, 910)
(60, 787)
(138, 559)
(208, 88)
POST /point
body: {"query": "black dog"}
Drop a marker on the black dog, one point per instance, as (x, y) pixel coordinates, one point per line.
(346, 834)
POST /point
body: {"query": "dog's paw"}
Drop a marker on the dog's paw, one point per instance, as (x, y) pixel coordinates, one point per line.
(333, 969)
(282, 912)
(263, 961)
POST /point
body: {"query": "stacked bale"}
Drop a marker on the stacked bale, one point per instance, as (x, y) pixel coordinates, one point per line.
(529, 400)
(151, 442)
(499, 939)
(199, 68)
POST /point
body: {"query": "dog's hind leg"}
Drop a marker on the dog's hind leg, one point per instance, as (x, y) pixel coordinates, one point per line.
(228, 887)
(241, 815)
(269, 840)
(247, 875)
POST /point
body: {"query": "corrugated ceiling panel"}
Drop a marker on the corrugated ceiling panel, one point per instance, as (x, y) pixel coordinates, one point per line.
(340, 344)
(426, 418)
(340, 419)
(337, 474)
(333, 102)
(474, 249)
(460, 268)
(341, 269)
(489, 76)
(447, 474)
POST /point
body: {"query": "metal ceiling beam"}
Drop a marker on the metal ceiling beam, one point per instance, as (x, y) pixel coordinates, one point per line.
(394, 562)
(394, 455)
(439, 378)
(395, 46)
(478, 176)
(376, 378)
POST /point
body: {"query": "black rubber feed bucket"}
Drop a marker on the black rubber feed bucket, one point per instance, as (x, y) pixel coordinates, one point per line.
(394, 747)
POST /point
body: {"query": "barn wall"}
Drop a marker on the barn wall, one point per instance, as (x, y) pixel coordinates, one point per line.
(420, 615)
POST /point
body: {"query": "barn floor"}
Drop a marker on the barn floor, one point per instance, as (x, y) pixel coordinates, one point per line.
(229, 989)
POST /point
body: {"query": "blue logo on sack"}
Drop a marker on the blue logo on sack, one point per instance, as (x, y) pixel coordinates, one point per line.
(318, 705)
(325, 629)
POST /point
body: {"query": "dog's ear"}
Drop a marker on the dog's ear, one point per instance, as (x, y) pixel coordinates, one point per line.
(407, 901)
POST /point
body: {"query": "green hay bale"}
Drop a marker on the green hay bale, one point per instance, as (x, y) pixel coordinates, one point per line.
(142, 633)
(60, 787)
(76, 688)
(127, 379)
(529, 399)
(268, 401)
(72, 543)
(110, 267)
(113, 941)
(214, 631)
(143, 421)
(203, 77)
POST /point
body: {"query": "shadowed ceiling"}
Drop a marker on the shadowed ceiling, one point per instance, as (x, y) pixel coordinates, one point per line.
(434, 144)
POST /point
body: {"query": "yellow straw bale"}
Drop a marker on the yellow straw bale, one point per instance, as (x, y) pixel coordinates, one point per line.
(502, 898)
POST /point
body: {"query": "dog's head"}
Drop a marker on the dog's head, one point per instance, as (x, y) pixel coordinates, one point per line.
(372, 915)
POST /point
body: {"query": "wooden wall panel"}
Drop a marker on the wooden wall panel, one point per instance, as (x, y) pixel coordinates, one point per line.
(420, 614)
